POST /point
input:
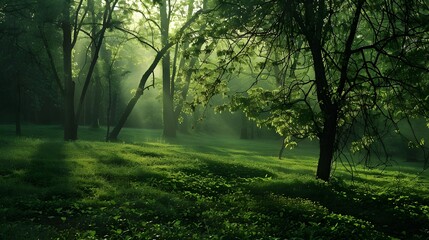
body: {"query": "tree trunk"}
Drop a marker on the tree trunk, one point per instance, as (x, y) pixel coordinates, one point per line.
(95, 120)
(70, 126)
(282, 147)
(191, 65)
(327, 145)
(95, 114)
(167, 91)
(98, 42)
(115, 132)
(109, 107)
(328, 133)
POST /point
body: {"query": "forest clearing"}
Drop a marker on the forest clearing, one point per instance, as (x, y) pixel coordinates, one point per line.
(214, 119)
(209, 187)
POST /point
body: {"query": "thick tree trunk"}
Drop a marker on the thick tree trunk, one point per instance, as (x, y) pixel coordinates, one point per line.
(327, 146)
(167, 90)
(327, 136)
(167, 113)
(70, 126)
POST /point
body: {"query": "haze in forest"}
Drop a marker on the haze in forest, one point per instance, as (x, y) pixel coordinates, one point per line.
(242, 89)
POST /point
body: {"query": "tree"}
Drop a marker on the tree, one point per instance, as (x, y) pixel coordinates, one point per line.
(167, 83)
(355, 47)
(24, 79)
(189, 61)
(177, 76)
(95, 117)
(142, 83)
(72, 19)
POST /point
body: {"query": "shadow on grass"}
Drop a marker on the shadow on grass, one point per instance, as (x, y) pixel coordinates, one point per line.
(49, 170)
(142, 153)
(226, 170)
(287, 170)
(39, 187)
(392, 213)
(40, 175)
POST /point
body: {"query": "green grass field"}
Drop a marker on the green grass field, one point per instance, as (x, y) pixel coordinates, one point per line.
(196, 187)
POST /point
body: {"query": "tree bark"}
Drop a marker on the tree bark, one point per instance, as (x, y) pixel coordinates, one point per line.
(115, 132)
(327, 145)
(190, 69)
(282, 147)
(97, 41)
(167, 93)
(70, 126)
(327, 136)
(95, 115)
(96, 102)
(327, 104)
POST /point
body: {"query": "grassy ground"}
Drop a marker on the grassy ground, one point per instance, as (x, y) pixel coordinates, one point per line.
(203, 187)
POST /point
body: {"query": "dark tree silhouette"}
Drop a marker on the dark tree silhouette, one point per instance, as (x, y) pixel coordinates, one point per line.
(353, 51)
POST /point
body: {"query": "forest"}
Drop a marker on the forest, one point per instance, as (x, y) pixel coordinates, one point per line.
(214, 119)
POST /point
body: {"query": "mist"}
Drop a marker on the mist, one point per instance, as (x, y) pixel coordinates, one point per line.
(207, 119)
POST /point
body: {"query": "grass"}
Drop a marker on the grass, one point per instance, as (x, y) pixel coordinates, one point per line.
(195, 187)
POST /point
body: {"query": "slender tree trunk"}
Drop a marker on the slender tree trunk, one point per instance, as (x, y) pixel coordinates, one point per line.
(167, 91)
(111, 94)
(191, 65)
(98, 41)
(95, 114)
(282, 147)
(115, 132)
(184, 90)
(109, 106)
(70, 126)
(96, 102)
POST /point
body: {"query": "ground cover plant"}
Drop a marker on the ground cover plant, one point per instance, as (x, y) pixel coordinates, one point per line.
(206, 187)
